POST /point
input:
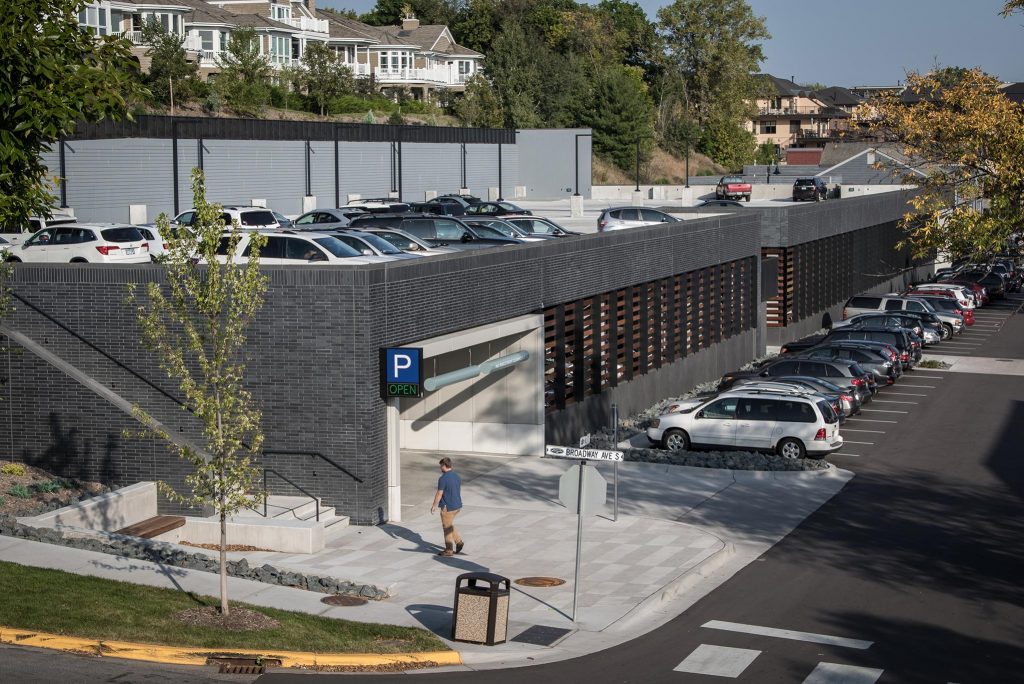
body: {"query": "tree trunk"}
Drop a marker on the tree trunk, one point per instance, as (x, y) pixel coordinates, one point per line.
(223, 564)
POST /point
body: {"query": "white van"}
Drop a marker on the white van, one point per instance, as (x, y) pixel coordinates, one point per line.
(15, 235)
(791, 425)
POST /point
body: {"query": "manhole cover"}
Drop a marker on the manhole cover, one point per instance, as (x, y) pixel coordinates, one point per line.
(540, 581)
(343, 600)
(541, 635)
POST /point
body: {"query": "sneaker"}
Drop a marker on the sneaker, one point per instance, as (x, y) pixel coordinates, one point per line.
(458, 547)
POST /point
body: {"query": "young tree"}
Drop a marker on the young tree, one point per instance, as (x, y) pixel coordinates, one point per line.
(244, 73)
(169, 67)
(967, 138)
(197, 329)
(324, 76)
(54, 75)
(479, 107)
(621, 116)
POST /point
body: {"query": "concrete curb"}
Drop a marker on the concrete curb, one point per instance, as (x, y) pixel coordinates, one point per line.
(184, 655)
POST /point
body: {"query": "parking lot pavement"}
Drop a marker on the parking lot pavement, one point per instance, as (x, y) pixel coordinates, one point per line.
(973, 352)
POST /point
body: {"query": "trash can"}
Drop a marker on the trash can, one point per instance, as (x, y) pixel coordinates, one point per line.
(480, 613)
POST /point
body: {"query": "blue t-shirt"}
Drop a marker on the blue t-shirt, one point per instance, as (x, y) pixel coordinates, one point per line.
(450, 485)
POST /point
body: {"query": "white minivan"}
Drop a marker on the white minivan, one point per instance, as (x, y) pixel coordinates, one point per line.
(77, 243)
(792, 426)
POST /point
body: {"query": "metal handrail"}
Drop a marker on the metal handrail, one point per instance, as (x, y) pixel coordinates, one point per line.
(316, 501)
(316, 454)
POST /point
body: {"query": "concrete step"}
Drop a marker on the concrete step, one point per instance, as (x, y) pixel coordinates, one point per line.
(335, 521)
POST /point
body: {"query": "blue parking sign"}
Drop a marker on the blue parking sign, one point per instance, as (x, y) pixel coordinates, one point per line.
(401, 372)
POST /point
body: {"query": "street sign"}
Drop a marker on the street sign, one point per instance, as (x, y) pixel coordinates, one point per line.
(595, 489)
(401, 372)
(572, 453)
(585, 441)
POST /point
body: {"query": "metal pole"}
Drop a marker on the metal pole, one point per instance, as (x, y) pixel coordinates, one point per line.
(174, 162)
(615, 465)
(499, 172)
(393, 188)
(264, 492)
(309, 180)
(687, 163)
(399, 169)
(579, 541)
(463, 165)
(337, 178)
(199, 153)
(577, 181)
(64, 177)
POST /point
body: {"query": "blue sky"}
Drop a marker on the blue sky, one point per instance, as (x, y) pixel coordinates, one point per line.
(873, 42)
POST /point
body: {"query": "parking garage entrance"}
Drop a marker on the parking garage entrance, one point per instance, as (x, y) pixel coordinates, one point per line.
(484, 403)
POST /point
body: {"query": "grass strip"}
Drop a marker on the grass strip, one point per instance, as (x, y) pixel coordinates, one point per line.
(74, 605)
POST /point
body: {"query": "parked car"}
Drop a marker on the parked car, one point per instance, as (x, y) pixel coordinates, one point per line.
(435, 207)
(868, 359)
(835, 399)
(809, 189)
(297, 249)
(495, 227)
(948, 312)
(843, 372)
(903, 319)
(535, 225)
(340, 216)
(894, 337)
(16, 234)
(964, 295)
(847, 393)
(732, 187)
(409, 243)
(369, 244)
(441, 231)
(78, 243)
(463, 201)
(282, 220)
(380, 205)
(992, 282)
(618, 218)
(953, 325)
(719, 204)
(791, 425)
(500, 208)
(157, 247)
(250, 218)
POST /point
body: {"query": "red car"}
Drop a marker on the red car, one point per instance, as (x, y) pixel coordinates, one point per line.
(733, 187)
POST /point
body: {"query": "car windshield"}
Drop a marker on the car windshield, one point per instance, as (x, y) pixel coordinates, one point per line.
(500, 226)
(336, 247)
(732, 179)
(126, 234)
(508, 206)
(257, 218)
(381, 244)
(400, 241)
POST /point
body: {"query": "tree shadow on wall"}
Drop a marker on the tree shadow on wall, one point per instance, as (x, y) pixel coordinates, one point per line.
(71, 456)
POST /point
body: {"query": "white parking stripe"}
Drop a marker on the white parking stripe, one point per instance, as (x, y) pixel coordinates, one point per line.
(718, 661)
(834, 673)
(846, 429)
(882, 411)
(904, 394)
(893, 401)
(790, 634)
(930, 377)
(846, 453)
(902, 384)
(850, 441)
(871, 420)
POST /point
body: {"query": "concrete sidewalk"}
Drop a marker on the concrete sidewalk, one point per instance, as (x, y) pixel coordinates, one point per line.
(681, 531)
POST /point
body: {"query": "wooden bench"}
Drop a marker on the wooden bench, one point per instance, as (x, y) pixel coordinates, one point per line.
(153, 527)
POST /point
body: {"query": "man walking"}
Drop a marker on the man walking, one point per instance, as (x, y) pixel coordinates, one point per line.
(449, 499)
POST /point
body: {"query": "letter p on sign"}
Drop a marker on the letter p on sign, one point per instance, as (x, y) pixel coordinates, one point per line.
(403, 365)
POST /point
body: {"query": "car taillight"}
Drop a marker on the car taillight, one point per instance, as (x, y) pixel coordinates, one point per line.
(857, 382)
(845, 397)
(904, 356)
(145, 246)
(963, 302)
(819, 435)
(784, 350)
(106, 249)
(915, 344)
(844, 313)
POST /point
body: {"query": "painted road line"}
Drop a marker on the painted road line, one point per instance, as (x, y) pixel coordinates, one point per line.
(882, 411)
(871, 420)
(834, 673)
(843, 453)
(904, 394)
(850, 441)
(846, 429)
(717, 661)
(930, 377)
(893, 401)
(918, 386)
(790, 634)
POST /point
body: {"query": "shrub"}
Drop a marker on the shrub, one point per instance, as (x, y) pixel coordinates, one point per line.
(396, 118)
(20, 491)
(54, 485)
(15, 469)
(354, 104)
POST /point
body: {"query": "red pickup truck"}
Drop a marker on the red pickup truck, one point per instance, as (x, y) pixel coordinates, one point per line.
(732, 187)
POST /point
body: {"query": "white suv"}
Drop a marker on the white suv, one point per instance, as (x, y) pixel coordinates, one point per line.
(293, 249)
(101, 243)
(249, 218)
(792, 425)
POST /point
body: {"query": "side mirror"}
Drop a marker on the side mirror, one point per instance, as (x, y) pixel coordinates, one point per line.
(467, 237)
(367, 252)
(700, 414)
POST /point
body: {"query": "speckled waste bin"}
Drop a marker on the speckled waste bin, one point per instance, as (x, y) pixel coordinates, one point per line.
(480, 613)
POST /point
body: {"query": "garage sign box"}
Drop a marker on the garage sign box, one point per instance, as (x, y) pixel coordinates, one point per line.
(401, 372)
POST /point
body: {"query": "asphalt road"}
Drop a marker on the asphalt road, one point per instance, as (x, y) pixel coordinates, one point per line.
(913, 573)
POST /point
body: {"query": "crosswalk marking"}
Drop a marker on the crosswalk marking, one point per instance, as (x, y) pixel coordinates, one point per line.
(720, 661)
(834, 673)
(788, 634)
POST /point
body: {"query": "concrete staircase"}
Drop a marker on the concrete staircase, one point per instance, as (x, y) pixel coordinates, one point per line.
(295, 508)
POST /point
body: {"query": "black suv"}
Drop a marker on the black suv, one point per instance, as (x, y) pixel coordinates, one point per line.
(440, 231)
(809, 189)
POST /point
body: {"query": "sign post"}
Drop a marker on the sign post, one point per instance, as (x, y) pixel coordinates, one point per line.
(615, 466)
(582, 488)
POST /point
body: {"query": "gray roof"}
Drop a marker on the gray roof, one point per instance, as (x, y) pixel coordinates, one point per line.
(347, 29)
(205, 13)
(1014, 91)
(838, 97)
(780, 86)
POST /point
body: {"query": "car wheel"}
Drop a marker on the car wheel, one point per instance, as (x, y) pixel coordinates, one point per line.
(79, 260)
(791, 449)
(947, 331)
(13, 260)
(747, 198)
(675, 440)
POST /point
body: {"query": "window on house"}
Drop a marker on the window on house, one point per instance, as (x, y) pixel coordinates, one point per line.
(465, 67)
(296, 48)
(768, 127)
(206, 39)
(281, 11)
(794, 125)
(93, 20)
(280, 49)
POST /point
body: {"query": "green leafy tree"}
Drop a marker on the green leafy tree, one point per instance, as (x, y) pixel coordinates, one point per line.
(477, 23)
(514, 74)
(479, 106)
(54, 75)
(636, 36)
(323, 75)
(245, 73)
(713, 47)
(621, 116)
(197, 329)
(169, 66)
(766, 154)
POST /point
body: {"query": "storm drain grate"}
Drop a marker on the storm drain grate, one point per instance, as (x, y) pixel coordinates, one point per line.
(540, 581)
(343, 600)
(540, 635)
(240, 665)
